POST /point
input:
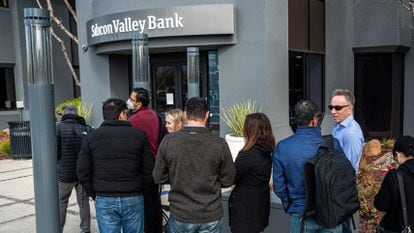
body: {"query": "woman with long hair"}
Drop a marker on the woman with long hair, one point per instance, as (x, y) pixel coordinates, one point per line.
(388, 197)
(249, 202)
(174, 120)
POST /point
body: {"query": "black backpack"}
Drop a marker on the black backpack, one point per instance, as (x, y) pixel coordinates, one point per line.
(331, 191)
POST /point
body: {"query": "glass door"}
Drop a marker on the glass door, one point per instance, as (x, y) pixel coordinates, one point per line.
(170, 87)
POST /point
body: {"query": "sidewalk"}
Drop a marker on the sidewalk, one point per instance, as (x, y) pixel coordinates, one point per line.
(17, 211)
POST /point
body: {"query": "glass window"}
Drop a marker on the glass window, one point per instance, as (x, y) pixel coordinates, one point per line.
(306, 80)
(379, 93)
(7, 89)
(4, 3)
(213, 88)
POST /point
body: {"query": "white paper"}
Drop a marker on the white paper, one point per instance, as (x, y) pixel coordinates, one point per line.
(170, 98)
(8, 104)
(19, 104)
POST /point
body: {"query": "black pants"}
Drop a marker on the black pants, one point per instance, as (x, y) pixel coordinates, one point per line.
(152, 210)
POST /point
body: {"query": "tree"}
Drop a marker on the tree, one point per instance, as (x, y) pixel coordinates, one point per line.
(56, 21)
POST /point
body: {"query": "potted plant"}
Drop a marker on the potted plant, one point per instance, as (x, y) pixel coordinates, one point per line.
(234, 117)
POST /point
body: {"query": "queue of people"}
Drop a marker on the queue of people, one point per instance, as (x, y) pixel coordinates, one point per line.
(122, 164)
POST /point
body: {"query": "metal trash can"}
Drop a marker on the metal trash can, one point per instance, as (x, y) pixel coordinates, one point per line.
(20, 139)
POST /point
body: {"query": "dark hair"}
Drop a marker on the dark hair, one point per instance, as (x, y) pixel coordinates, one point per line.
(112, 107)
(196, 108)
(404, 144)
(305, 111)
(349, 97)
(257, 126)
(142, 96)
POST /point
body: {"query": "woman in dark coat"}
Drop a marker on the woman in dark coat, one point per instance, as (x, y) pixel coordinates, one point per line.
(388, 197)
(249, 202)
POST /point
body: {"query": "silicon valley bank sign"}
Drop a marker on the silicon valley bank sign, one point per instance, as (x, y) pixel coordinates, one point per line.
(165, 22)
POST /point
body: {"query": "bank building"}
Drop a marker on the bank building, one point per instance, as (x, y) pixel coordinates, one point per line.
(274, 52)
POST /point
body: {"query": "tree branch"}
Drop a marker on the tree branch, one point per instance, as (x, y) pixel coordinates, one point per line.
(72, 12)
(63, 46)
(59, 22)
(67, 58)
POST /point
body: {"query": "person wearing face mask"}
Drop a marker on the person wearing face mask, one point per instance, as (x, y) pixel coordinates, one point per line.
(388, 197)
(148, 120)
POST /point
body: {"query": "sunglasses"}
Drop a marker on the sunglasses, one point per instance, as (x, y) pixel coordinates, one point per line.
(337, 107)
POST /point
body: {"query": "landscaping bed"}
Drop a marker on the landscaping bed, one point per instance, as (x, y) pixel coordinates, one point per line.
(372, 171)
(5, 147)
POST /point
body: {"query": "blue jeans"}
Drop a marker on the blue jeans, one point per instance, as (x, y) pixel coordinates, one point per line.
(310, 226)
(175, 226)
(116, 213)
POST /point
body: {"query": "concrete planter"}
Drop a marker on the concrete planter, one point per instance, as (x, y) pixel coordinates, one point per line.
(235, 144)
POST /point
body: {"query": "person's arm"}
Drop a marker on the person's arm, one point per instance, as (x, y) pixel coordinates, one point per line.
(84, 168)
(384, 198)
(279, 180)
(147, 163)
(227, 169)
(160, 172)
(352, 147)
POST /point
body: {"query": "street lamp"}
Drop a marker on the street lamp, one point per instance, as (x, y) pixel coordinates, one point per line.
(41, 100)
(193, 72)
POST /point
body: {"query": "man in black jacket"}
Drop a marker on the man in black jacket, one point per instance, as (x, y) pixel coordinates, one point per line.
(114, 166)
(69, 135)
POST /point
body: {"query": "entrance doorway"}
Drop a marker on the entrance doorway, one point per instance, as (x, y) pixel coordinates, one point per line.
(168, 73)
(379, 93)
(306, 80)
(169, 80)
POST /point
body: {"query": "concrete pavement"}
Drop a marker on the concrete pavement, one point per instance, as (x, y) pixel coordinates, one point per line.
(17, 211)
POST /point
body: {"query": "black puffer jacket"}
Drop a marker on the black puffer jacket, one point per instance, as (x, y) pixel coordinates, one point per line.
(115, 161)
(388, 197)
(69, 135)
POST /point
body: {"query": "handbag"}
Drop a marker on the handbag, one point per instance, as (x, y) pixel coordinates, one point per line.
(407, 228)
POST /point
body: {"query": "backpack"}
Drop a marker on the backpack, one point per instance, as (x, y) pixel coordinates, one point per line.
(331, 191)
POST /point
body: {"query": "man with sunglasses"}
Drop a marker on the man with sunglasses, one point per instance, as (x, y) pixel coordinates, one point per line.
(347, 132)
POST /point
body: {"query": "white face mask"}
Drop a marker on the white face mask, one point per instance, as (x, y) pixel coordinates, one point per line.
(130, 105)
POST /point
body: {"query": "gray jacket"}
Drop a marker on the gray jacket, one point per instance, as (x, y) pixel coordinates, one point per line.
(197, 164)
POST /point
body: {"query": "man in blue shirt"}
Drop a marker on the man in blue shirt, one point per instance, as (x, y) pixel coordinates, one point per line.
(347, 131)
(288, 161)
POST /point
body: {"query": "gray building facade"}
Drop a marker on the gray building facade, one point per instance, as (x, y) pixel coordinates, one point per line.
(279, 51)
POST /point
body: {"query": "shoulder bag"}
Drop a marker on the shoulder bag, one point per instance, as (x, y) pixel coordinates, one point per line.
(407, 228)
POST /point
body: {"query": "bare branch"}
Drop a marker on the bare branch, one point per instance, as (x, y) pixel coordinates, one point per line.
(70, 8)
(67, 58)
(407, 5)
(64, 51)
(40, 5)
(59, 22)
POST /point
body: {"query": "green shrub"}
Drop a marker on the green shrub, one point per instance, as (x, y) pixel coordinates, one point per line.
(235, 115)
(84, 109)
(5, 148)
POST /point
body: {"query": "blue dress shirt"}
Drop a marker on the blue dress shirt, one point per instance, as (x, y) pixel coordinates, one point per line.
(351, 139)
